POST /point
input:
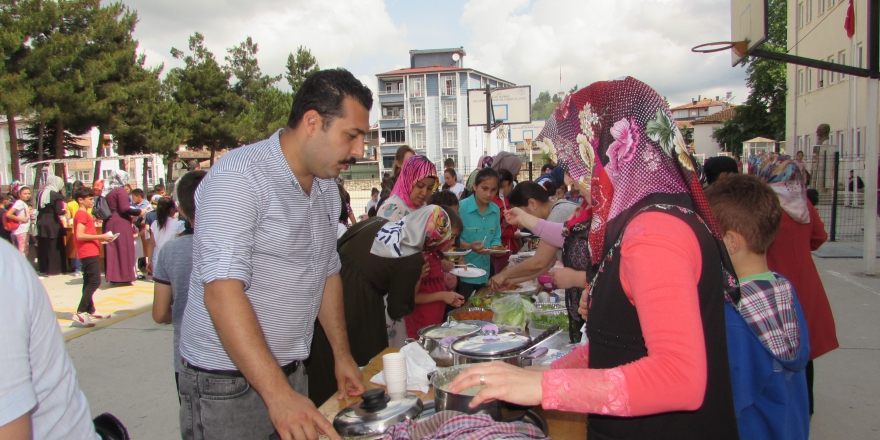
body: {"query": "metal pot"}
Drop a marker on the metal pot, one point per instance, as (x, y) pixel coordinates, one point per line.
(376, 413)
(515, 348)
(445, 400)
(429, 337)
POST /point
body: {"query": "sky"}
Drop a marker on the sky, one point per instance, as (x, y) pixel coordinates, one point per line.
(528, 42)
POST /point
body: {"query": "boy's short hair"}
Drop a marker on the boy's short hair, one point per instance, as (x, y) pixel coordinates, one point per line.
(374, 191)
(443, 198)
(159, 187)
(137, 192)
(449, 163)
(83, 192)
(185, 192)
(746, 205)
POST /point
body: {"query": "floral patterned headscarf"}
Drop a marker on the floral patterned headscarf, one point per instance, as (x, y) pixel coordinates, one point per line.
(414, 170)
(783, 175)
(424, 230)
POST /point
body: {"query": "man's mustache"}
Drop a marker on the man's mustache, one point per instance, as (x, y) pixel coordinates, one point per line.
(349, 161)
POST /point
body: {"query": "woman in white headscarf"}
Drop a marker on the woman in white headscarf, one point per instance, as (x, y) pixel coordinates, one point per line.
(51, 258)
(119, 254)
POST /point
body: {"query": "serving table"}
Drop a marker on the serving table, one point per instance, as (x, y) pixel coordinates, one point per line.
(563, 425)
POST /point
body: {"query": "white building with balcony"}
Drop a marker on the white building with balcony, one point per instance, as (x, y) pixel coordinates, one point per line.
(425, 106)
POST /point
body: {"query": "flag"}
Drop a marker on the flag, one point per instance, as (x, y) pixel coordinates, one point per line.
(850, 23)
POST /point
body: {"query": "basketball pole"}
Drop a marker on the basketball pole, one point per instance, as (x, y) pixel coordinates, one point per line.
(871, 150)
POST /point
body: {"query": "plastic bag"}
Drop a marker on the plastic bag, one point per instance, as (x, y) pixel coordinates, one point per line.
(514, 310)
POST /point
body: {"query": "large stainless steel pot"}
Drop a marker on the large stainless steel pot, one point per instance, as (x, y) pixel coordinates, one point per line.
(429, 337)
(446, 400)
(515, 348)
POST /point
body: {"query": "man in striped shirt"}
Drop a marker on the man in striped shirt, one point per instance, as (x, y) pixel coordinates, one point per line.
(265, 267)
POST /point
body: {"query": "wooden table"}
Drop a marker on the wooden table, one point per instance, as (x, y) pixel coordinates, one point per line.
(563, 425)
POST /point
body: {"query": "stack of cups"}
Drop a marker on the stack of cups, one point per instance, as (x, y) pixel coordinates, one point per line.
(394, 367)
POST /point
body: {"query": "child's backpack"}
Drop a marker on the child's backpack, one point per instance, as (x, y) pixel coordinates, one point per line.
(101, 210)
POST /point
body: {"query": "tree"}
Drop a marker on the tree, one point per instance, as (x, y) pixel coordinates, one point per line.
(763, 113)
(31, 142)
(202, 88)
(300, 67)
(544, 105)
(17, 20)
(265, 106)
(243, 65)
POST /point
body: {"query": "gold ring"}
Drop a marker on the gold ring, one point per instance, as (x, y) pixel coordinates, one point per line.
(482, 379)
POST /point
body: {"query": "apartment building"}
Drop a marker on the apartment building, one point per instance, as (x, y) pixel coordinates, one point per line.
(425, 106)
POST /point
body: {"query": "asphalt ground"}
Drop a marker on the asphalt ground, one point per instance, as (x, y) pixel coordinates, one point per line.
(124, 366)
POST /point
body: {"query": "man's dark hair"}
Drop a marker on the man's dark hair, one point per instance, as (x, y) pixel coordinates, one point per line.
(324, 92)
(186, 192)
(159, 187)
(718, 165)
(83, 192)
(449, 163)
(137, 192)
(813, 196)
(546, 168)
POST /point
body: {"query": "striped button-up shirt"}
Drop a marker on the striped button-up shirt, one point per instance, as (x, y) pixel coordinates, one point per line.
(254, 223)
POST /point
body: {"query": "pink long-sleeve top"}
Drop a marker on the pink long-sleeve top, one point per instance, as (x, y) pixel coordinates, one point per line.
(660, 267)
(550, 232)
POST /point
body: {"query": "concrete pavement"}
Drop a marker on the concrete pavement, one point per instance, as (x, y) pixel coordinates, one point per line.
(126, 367)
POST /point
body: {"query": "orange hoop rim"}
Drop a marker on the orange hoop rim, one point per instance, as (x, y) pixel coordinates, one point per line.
(724, 46)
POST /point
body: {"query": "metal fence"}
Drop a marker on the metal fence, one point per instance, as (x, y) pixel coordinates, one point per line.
(839, 180)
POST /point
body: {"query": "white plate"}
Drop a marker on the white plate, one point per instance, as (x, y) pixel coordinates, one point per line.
(526, 288)
(525, 234)
(498, 252)
(526, 254)
(472, 272)
(457, 254)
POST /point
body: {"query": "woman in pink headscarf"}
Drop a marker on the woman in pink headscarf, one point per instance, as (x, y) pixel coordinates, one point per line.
(417, 180)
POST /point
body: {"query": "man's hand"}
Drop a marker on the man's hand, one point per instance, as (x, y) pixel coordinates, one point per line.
(348, 377)
(295, 417)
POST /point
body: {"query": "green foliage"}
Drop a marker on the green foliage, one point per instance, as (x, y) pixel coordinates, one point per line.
(544, 105)
(763, 114)
(29, 143)
(243, 65)
(266, 107)
(300, 67)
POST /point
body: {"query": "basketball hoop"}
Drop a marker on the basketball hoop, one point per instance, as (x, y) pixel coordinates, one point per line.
(739, 47)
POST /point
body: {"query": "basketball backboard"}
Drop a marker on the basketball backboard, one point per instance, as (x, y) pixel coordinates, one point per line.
(511, 105)
(748, 23)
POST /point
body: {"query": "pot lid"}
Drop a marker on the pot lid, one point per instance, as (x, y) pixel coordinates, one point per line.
(376, 413)
(440, 331)
(490, 343)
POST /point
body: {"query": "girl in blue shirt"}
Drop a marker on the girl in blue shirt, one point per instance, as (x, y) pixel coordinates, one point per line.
(482, 220)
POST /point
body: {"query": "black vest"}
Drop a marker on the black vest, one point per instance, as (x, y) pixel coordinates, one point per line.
(616, 339)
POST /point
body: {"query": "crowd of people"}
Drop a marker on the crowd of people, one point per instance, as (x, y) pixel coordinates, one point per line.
(692, 283)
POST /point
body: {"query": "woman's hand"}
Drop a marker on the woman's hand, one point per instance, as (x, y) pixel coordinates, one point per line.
(453, 299)
(584, 304)
(518, 217)
(567, 278)
(426, 268)
(498, 283)
(503, 382)
(447, 265)
(480, 248)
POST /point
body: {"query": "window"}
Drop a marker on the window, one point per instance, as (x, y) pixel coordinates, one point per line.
(107, 151)
(450, 137)
(800, 144)
(820, 80)
(859, 55)
(449, 112)
(107, 173)
(447, 86)
(840, 140)
(858, 142)
(392, 112)
(800, 82)
(85, 176)
(21, 134)
(800, 16)
(809, 79)
(416, 90)
(418, 112)
(808, 142)
(809, 7)
(394, 136)
(841, 59)
(418, 139)
(821, 7)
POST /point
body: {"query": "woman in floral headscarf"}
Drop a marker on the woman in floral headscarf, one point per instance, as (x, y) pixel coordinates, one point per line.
(379, 259)
(417, 180)
(119, 258)
(800, 232)
(656, 365)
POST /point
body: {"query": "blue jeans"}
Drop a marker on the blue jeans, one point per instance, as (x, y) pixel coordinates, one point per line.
(214, 406)
(77, 266)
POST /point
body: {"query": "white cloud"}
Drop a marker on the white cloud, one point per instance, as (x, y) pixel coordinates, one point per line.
(592, 40)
